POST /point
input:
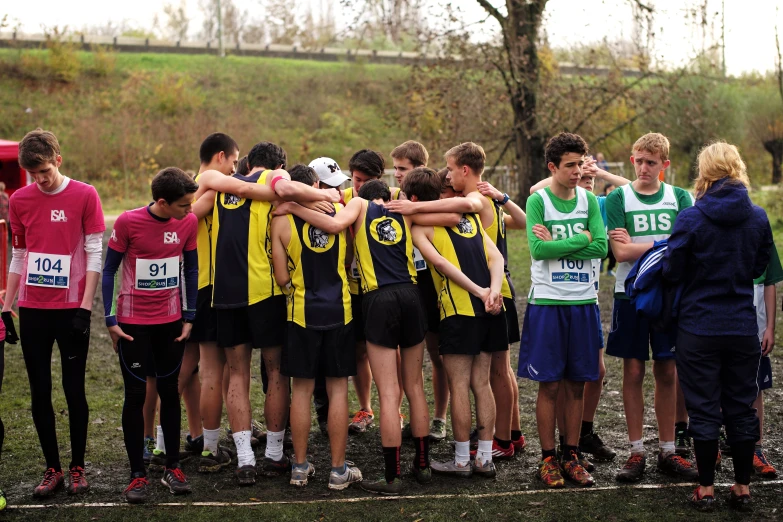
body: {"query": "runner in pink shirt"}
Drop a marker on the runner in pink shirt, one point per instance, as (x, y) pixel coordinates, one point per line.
(57, 226)
(147, 323)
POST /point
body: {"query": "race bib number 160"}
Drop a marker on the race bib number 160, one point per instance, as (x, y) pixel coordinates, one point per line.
(48, 270)
(157, 274)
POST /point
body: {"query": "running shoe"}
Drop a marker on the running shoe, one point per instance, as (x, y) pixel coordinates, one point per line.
(592, 444)
(422, 475)
(519, 445)
(149, 446)
(246, 475)
(589, 466)
(705, 503)
(136, 492)
(682, 443)
(450, 467)
(382, 487)
(437, 430)
(158, 460)
(739, 502)
(633, 470)
(78, 483)
(175, 480)
(498, 452)
(52, 483)
(761, 465)
(677, 466)
(339, 481)
(485, 470)
(299, 475)
(273, 468)
(3, 502)
(549, 473)
(211, 463)
(576, 472)
(194, 446)
(361, 421)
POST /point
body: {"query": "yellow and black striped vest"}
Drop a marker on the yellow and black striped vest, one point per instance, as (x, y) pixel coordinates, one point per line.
(463, 247)
(496, 231)
(319, 298)
(204, 241)
(242, 249)
(384, 249)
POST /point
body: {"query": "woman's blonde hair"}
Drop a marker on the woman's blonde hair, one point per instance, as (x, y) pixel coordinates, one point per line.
(717, 161)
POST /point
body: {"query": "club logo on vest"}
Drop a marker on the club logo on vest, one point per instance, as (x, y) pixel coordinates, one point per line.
(467, 226)
(386, 231)
(316, 239)
(230, 201)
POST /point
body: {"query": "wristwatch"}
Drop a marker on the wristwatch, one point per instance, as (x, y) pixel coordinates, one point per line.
(504, 200)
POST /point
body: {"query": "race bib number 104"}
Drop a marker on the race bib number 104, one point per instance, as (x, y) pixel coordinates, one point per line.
(157, 274)
(48, 270)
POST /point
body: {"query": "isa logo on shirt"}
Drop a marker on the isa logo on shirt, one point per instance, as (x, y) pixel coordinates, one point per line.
(170, 238)
(58, 216)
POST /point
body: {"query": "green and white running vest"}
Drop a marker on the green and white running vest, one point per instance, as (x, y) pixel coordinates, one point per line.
(646, 223)
(563, 279)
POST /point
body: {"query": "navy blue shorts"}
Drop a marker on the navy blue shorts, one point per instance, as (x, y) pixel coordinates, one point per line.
(631, 336)
(559, 342)
(764, 378)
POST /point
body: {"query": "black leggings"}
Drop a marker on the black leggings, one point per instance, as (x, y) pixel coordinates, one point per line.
(2, 372)
(153, 351)
(38, 330)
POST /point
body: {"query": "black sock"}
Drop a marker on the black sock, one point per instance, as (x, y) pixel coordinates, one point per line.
(742, 456)
(391, 457)
(422, 447)
(587, 428)
(681, 426)
(706, 454)
(562, 441)
(545, 454)
(505, 444)
(516, 434)
(569, 452)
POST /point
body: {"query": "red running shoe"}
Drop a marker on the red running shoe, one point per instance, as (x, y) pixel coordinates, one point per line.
(78, 482)
(52, 483)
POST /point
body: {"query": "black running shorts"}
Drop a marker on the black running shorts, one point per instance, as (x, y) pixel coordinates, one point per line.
(261, 325)
(205, 323)
(465, 335)
(429, 299)
(394, 316)
(308, 353)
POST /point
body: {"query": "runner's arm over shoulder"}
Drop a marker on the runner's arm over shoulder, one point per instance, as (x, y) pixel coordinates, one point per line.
(595, 224)
(540, 249)
(281, 184)
(279, 250)
(544, 183)
(514, 217)
(436, 219)
(460, 205)
(329, 224)
(204, 205)
(421, 239)
(219, 182)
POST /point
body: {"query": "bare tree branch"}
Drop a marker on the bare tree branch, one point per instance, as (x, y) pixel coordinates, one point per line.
(493, 11)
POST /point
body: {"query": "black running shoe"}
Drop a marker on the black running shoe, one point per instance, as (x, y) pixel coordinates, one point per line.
(194, 446)
(175, 480)
(592, 444)
(677, 466)
(246, 475)
(633, 469)
(136, 492)
(739, 502)
(274, 468)
(212, 463)
(705, 504)
(682, 443)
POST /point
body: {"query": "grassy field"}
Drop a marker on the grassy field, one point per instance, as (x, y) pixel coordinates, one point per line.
(515, 494)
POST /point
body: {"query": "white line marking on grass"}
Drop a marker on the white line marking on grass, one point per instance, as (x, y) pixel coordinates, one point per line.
(383, 498)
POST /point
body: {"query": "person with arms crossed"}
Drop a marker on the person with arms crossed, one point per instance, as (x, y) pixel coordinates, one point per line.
(57, 225)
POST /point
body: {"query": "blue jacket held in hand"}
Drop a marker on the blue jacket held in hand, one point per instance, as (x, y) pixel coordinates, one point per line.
(716, 249)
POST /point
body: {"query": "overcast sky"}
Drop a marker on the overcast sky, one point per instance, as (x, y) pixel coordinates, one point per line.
(750, 24)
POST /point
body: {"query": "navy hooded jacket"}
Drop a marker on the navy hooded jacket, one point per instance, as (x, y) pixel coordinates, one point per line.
(716, 249)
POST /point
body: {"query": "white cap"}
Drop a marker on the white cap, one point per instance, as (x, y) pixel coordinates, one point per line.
(328, 171)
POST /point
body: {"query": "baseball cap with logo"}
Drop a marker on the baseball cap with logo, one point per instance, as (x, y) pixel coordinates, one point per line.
(328, 171)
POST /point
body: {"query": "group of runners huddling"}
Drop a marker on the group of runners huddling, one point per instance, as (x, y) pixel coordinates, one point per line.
(331, 284)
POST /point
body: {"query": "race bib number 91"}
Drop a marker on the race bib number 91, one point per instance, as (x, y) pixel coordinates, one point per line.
(157, 274)
(48, 270)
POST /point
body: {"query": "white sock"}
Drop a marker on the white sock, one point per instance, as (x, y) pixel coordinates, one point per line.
(637, 447)
(274, 445)
(245, 455)
(666, 448)
(462, 453)
(211, 438)
(161, 444)
(484, 453)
